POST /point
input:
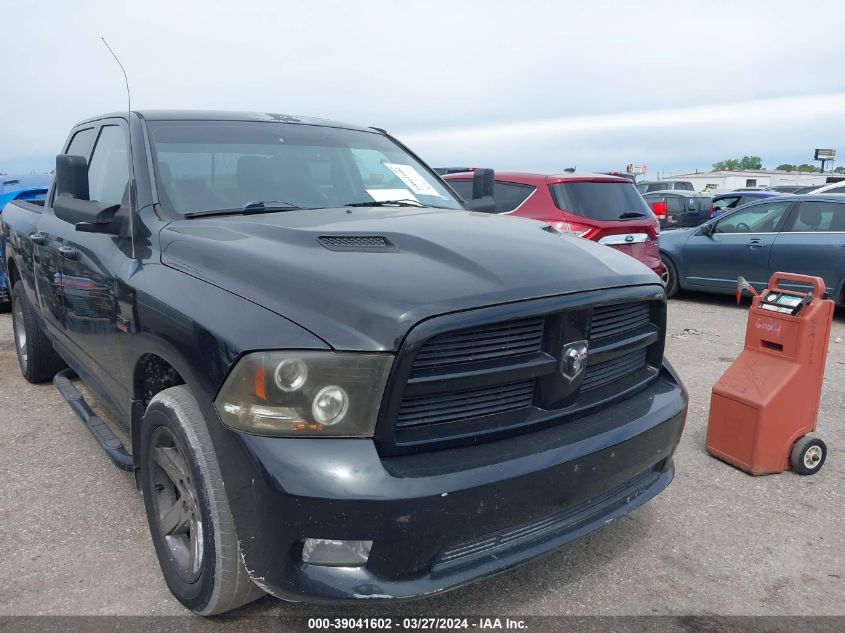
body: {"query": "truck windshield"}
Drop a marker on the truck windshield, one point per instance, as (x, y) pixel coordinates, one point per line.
(212, 166)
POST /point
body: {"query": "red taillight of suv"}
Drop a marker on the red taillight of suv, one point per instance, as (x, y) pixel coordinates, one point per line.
(712, 210)
(573, 228)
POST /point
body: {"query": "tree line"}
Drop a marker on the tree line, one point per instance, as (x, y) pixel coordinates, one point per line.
(755, 162)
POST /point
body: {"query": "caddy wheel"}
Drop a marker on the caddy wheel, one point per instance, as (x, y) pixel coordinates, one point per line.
(808, 455)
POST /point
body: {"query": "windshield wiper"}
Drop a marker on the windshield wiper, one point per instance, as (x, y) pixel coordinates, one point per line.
(257, 206)
(631, 214)
(405, 202)
(269, 205)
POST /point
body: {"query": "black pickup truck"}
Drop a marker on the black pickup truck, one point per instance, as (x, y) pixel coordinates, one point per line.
(338, 381)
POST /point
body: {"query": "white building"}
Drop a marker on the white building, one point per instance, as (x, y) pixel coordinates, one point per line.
(730, 180)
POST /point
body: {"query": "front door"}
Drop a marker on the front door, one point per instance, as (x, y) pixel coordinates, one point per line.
(740, 244)
(89, 264)
(45, 241)
(812, 243)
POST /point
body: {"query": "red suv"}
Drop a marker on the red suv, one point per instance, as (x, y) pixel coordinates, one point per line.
(606, 209)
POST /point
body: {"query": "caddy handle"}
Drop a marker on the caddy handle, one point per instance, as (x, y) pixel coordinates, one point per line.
(817, 283)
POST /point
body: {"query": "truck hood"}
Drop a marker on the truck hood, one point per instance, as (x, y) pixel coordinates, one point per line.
(434, 262)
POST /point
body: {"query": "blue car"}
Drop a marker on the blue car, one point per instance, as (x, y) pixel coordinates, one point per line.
(25, 187)
(725, 202)
(802, 234)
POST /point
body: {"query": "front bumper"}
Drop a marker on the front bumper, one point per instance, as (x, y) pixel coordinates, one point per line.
(441, 519)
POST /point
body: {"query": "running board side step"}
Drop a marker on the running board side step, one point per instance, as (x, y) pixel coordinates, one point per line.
(107, 440)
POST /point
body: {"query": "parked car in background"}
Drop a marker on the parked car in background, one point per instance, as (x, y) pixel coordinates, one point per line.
(676, 209)
(647, 186)
(725, 202)
(832, 187)
(602, 208)
(10, 185)
(784, 188)
(23, 187)
(798, 234)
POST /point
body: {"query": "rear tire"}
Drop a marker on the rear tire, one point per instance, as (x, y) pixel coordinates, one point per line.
(187, 508)
(671, 277)
(5, 300)
(38, 360)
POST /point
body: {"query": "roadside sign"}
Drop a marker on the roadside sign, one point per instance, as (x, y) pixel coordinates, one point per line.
(825, 154)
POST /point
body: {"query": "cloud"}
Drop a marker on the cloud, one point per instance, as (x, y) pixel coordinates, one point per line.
(666, 138)
(649, 81)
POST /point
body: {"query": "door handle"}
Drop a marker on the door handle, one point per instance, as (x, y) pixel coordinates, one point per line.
(38, 238)
(68, 252)
(753, 243)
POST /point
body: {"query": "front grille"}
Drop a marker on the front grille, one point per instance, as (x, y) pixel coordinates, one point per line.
(600, 374)
(464, 383)
(545, 528)
(616, 319)
(500, 340)
(461, 405)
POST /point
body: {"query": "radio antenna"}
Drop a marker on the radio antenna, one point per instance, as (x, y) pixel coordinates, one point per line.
(129, 155)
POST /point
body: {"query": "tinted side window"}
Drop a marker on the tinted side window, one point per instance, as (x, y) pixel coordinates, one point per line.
(80, 144)
(723, 204)
(745, 200)
(836, 190)
(108, 173)
(509, 196)
(759, 218)
(819, 216)
(686, 186)
(463, 188)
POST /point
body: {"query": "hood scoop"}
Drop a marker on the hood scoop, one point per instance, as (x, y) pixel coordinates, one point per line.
(364, 243)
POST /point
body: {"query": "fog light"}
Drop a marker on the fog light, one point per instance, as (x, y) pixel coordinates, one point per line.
(319, 551)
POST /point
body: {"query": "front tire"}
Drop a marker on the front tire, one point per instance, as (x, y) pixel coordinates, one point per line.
(187, 509)
(670, 277)
(38, 360)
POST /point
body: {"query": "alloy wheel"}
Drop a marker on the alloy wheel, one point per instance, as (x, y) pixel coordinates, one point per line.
(20, 335)
(176, 503)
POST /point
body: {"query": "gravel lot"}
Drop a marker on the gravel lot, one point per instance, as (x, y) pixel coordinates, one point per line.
(717, 541)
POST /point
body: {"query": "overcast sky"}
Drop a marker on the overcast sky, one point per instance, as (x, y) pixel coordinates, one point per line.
(510, 85)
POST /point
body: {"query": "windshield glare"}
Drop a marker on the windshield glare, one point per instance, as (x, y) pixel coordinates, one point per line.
(218, 165)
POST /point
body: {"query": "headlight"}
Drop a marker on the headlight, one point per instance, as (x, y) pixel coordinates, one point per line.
(305, 394)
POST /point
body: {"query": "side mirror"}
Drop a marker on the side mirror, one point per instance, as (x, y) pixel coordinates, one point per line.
(72, 203)
(708, 228)
(72, 176)
(483, 181)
